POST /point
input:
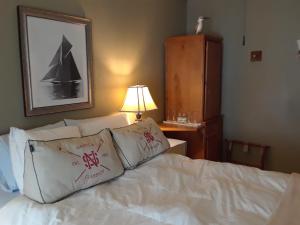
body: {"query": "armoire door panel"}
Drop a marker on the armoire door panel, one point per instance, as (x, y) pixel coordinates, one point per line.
(213, 63)
(213, 139)
(185, 76)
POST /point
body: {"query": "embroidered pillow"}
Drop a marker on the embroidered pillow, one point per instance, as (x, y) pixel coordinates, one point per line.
(58, 168)
(18, 139)
(139, 142)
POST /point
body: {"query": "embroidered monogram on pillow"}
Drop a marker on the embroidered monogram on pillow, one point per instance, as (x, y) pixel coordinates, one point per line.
(58, 168)
(139, 142)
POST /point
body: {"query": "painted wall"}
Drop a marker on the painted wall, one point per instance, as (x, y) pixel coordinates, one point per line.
(127, 49)
(261, 101)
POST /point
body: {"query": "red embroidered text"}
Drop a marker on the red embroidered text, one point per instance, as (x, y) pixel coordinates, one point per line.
(90, 159)
(149, 137)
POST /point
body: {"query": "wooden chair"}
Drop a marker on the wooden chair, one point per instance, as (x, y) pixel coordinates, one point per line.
(243, 150)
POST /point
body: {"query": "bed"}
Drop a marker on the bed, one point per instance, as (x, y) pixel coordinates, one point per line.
(6, 197)
(163, 189)
(169, 189)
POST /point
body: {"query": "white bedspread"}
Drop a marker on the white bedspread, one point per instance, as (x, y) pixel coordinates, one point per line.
(170, 189)
(6, 197)
(288, 212)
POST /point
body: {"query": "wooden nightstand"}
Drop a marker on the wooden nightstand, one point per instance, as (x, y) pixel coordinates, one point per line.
(204, 142)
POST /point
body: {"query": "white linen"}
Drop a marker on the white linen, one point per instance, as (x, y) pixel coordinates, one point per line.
(169, 189)
(6, 197)
(288, 212)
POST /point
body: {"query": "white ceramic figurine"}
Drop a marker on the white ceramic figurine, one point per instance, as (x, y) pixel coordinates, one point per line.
(199, 26)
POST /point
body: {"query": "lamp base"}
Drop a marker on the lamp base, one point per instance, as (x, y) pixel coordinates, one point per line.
(138, 117)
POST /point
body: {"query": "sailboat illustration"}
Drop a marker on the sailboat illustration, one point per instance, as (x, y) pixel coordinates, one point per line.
(63, 73)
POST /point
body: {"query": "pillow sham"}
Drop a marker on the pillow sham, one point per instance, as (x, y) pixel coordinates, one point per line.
(56, 169)
(139, 142)
(7, 179)
(94, 125)
(18, 139)
(50, 126)
(8, 182)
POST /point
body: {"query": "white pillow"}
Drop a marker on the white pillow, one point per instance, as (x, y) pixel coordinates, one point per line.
(50, 126)
(18, 139)
(56, 169)
(139, 142)
(94, 125)
(7, 179)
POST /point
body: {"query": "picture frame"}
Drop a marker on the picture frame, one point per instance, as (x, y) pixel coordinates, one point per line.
(56, 61)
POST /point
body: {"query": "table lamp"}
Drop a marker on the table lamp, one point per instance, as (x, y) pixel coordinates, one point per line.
(138, 99)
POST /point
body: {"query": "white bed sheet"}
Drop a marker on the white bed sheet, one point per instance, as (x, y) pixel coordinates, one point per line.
(170, 189)
(6, 197)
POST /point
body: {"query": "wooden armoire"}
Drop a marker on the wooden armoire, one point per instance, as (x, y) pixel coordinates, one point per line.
(193, 87)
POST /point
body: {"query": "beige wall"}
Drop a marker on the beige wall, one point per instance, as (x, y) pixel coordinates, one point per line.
(261, 101)
(127, 49)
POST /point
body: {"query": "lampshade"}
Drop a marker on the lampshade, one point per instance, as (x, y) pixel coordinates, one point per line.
(138, 99)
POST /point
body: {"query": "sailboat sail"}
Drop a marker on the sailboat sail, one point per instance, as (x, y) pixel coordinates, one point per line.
(52, 73)
(68, 71)
(66, 46)
(56, 59)
(63, 66)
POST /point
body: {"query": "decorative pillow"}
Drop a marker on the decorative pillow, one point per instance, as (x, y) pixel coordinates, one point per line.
(94, 125)
(17, 143)
(7, 180)
(139, 142)
(56, 169)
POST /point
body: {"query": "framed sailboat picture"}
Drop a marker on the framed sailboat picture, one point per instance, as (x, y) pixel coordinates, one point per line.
(56, 61)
